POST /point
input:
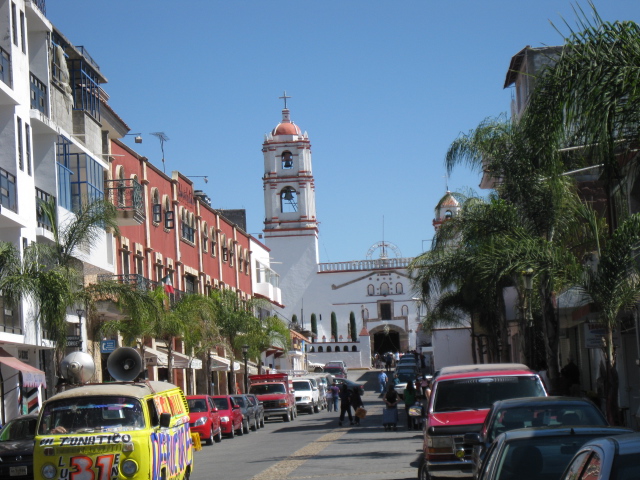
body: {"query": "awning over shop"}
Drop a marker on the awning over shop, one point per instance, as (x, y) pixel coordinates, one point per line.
(221, 364)
(160, 358)
(31, 376)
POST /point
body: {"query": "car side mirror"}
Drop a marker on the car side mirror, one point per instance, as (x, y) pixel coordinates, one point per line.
(472, 439)
(236, 407)
(214, 409)
(165, 420)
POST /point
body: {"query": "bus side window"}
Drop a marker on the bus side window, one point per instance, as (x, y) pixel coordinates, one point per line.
(153, 413)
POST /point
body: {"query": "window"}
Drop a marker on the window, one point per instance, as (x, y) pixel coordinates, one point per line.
(190, 284)
(22, 30)
(385, 311)
(384, 289)
(448, 214)
(365, 313)
(27, 131)
(320, 349)
(14, 23)
(399, 288)
(187, 222)
(232, 253)
(169, 222)
(344, 349)
(159, 272)
(405, 311)
(125, 262)
(214, 242)
(288, 200)
(225, 249)
(156, 209)
(205, 237)
(371, 290)
(354, 348)
(287, 160)
(38, 94)
(328, 349)
(140, 266)
(122, 190)
(20, 151)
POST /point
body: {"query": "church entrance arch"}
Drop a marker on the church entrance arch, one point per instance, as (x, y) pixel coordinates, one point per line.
(388, 338)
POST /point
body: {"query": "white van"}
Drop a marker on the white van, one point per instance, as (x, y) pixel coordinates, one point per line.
(307, 395)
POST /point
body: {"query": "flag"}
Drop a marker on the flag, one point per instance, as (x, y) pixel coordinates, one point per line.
(168, 285)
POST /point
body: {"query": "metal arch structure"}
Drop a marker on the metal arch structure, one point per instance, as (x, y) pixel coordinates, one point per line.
(384, 248)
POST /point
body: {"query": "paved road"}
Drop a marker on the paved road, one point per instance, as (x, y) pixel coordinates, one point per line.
(314, 446)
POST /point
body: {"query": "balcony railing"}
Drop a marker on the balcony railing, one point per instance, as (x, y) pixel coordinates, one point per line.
(5, 66)
(126, 195)
(41, 4)
(43, 197)
(8, 190)
(140, 283)
(38, 94)
(381, 263)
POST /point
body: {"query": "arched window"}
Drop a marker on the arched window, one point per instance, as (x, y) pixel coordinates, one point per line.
(232, 252)
(345, 348)
(225, 248)
(354, 348)
(122, 191)
(329, 349)
(405, 311)
(399, 288)
(448, 214)
(384, 289)
(156, 209)
(169, 221)
(214, 242)
(205, 237)
(371, 290)
(287, 160)
(288, 200)
(365, 313)
(320, 349)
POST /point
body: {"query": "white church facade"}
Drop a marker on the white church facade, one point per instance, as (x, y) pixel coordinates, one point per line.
(376, 291)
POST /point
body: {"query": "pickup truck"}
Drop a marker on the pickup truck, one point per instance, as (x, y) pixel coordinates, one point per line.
(275, 391)
(460, 400)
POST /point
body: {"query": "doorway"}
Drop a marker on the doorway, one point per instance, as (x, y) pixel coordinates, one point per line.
(386, 342)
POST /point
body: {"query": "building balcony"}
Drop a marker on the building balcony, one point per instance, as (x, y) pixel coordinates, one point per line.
(126, 195)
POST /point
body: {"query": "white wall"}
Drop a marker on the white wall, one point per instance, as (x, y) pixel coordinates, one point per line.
(451, 347)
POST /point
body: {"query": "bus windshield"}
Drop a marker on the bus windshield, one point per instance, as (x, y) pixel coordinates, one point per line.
(91, 414)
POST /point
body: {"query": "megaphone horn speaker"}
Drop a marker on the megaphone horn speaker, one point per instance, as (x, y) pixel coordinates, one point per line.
(124, 364)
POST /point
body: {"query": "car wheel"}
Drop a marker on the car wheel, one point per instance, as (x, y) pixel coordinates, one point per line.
(256, 425)
(262, 422)
(240, 431)
(245, 427)
(287, 417)
(233, 432)
(218, 437)
(210, 439)
(316, 408)
(423, 473)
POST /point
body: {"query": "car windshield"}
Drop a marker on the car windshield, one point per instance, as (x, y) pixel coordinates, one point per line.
(480, 392)
(197, 405)
(91, 414)
(221, 403)
(543, 416)
(267, 388)
(301, 386)
(19, 429)
(539, 456)
(240, 401)
(404, 377)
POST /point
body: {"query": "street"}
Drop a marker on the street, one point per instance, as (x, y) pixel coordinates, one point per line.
(313, 446)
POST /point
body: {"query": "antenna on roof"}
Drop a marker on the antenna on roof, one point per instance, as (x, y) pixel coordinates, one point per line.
(163, 138)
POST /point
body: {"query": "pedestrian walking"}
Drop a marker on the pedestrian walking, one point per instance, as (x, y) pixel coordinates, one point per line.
(356, 402)
(409, 397)
(388, 359)
(390, 413)
(382, 380)
(345, 403)
(335, 395)
(328, 394)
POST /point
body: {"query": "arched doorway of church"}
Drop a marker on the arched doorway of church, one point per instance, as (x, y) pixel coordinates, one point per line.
(386, 342)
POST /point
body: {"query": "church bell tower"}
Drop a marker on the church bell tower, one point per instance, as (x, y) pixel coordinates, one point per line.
(290, 224)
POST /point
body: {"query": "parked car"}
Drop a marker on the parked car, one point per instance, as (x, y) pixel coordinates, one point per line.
(16, 448)
(539, 452)
(249, 413)
(259, 408)
(230, 415)
(338, 371)
(505, 415)
(307, 397)
(404, 377)
(609, 458)
(460, 399)
(351, 384)
(204, 418)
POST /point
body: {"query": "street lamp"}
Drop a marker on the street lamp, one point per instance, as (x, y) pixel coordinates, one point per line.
(245, 352)
(80, 313)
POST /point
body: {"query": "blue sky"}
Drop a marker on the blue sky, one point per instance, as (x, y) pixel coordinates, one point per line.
(382, 88)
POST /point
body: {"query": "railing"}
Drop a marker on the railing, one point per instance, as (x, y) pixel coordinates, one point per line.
(126, 195)
(83, 51)
(38, 94)
(43, 197)
(5, 66)
(381, 263)
(41, 4)
(8, 190)
(141, 283)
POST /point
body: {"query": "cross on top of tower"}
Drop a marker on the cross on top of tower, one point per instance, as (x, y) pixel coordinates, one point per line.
(285, 98)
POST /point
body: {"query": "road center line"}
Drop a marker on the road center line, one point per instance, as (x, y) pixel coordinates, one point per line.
(282, 469)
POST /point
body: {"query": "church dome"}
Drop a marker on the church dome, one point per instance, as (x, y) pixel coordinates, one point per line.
(286, 126)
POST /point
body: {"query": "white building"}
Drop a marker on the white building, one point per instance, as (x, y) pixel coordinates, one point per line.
(376, 290)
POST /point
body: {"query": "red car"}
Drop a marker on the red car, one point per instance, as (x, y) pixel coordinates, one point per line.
(230, 415)
(204, 418)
